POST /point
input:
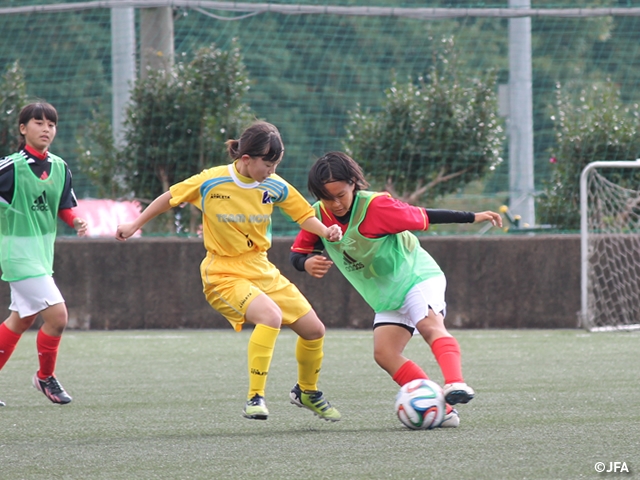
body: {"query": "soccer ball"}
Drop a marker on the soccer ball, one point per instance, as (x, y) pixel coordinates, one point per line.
(420, 404)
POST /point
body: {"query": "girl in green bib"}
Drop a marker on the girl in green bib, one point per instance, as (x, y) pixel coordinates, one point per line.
(385, 263)
(35, 189)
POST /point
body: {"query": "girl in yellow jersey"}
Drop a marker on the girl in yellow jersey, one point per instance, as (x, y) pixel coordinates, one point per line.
(238, 279)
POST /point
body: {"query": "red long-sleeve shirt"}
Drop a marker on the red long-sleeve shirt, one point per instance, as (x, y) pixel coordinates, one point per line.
(385, 216)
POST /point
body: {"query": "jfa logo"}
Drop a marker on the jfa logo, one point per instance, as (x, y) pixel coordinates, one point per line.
(614, 467)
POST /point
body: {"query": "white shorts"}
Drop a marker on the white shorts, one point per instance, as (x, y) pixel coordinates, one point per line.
(422, 297)
(32, 295)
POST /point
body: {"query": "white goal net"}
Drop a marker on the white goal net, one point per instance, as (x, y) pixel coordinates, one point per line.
(610, 247)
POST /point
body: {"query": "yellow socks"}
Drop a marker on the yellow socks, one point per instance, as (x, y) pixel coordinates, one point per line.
(309, 355)
(260, 353)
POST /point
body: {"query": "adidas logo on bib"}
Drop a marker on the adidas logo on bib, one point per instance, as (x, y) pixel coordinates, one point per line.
(40, 204)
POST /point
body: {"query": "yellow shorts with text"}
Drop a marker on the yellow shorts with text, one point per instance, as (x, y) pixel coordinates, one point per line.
(230, 284)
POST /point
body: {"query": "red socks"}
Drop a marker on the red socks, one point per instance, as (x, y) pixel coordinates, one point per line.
(410, 371)
(47, 354)
(446, 350)
(8, 342)
(407, 372)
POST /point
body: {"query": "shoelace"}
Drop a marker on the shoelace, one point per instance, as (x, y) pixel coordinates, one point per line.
(53, 385)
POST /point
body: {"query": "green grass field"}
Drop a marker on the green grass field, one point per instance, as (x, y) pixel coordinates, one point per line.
(167, 405)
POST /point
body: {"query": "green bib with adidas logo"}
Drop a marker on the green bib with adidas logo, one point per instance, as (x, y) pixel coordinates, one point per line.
(381, 269)
(28, 225)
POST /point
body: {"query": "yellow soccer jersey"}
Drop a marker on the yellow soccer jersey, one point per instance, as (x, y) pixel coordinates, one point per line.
(237, 209)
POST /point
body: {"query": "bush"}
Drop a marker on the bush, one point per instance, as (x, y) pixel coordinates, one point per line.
(592, 126)
(176, 126)
(430, 138)
(13, 96)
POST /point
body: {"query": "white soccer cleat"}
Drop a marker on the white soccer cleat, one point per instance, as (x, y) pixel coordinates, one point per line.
(455, 393)
(451, 420)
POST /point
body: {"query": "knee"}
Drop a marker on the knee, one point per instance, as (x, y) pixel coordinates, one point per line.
(55, 319)
(57, 325)
(317, 330)
(432, 328)
(309, 327)
(60, 324)
(272, 321)
(381, 357)
(270, 316)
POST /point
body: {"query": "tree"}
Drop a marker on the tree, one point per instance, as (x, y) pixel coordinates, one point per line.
(180, 118)
(593, 125)
(175, 126)
(430, 138)
(13, 96)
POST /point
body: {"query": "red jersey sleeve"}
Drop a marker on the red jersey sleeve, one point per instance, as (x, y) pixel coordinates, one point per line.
(67, 216)
(387, 216)
(307, 242)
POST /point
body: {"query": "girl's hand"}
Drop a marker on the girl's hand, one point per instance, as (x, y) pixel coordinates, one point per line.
(489, 216)
(317, 265)
(81, 225)
(333, 233)
(125, 230)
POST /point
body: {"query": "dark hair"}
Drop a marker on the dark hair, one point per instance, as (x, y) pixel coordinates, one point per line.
(334, 167)
(39, 111)
(259, 140)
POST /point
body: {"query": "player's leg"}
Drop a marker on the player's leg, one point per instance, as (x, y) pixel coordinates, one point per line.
(309, 355)
(389, 342)
(267, 317)
(30, 297)
(55, 320)
(235, 288)
(10, 332)
(309, 349)
(303, 320)
(427, 308)
(446, 351)
(24, 310)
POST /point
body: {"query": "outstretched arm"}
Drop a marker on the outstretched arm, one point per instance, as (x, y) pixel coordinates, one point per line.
(155, 208)
(455, 216)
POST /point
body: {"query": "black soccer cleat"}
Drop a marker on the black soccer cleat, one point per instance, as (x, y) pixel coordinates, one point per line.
(52, 389)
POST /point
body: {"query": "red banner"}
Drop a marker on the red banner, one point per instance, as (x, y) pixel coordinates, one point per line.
(104, 216)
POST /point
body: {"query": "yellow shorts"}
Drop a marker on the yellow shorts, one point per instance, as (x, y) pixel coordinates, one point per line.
(230, 284)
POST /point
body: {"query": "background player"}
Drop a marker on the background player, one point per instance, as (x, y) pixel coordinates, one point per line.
(386, 264)
(238, 279)
(35, 187)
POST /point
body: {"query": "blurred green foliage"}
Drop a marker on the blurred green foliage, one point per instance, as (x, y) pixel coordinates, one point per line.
(591, 124)
(176, 125)
(430, 138)
(13, 96)
(308, 72)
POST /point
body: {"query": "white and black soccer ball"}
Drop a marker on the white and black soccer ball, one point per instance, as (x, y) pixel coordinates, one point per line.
(420, 404)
